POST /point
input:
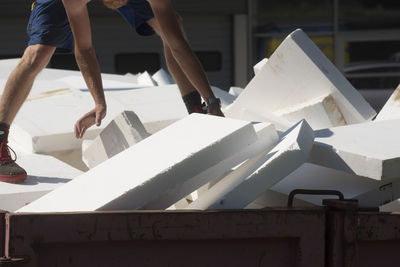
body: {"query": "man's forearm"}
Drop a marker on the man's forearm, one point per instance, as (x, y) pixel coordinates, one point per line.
(89, 66)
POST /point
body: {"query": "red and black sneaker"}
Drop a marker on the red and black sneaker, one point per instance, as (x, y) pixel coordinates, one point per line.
(10, 171)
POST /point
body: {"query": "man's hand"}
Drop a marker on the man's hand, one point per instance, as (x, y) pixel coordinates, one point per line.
(215, 109)
(95, 116)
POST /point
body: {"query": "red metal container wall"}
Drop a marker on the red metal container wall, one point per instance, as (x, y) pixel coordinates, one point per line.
(2, 232)
(223, 238)
(363, 239)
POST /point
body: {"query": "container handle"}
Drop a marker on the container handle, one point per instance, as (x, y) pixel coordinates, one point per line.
(313, 192)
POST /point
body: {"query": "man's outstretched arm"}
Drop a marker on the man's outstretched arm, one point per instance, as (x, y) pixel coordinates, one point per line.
(86, 59)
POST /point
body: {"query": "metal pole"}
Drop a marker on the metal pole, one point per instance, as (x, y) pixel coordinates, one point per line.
(250, 38)
(336, 52)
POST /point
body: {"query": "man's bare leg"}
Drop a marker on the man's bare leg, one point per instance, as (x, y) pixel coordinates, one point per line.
(20, 82)
(173, 36)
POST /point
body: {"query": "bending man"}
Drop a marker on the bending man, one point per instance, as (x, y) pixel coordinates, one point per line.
(53, 24)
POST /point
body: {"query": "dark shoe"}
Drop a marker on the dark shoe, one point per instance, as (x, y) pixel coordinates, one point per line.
(10, 171)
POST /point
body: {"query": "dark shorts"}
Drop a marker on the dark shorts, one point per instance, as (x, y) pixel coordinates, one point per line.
(48, 25)
(136, 13)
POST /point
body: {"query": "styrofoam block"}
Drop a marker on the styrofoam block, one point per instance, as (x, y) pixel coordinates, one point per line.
(267, 137)
(7, 66)
(122, 132)
(393, 206)
(71, 157)
(156, 106)
(271, 199)
(257, 68)
(226, 98)
(47, 124)
(9, 61)
(50, 74)
(391, 110)
(133, 79)
(45, 173)
(281, 124)
(41, 88)
(367, 149)
(320, 113)
(242, 186)
(53, 131)
(384, 192)
(78, 83)
(295, 73)
(146, 79)
(199, 191)
(150, 168)
(310, 176)
(86, 144)
(268, 198)
(235, 91)
(161, 77)
(151, 104)
(155, 126)
(181, 204)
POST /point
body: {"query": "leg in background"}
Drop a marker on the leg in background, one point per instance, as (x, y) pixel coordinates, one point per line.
(173, 36)
(190, 96)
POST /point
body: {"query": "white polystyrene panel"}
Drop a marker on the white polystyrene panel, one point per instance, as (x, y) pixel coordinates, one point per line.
(367, 149)
(45, 174)
(295, 73)
(259, 173)
(150, 168)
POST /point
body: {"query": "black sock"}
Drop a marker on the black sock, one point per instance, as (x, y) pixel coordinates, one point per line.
(192, 101)
(4, 128)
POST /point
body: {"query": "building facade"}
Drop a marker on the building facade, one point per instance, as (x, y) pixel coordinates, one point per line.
(362, 37)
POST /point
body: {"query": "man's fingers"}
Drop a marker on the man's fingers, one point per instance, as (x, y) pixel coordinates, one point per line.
(77, 129)
(98, 119)
(86, 122)
(83, 130)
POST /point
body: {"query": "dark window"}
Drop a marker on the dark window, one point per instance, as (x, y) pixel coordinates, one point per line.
(277, 15)
(373, 64)
(375, 82)
(373, 50)
(211, 60)
(369, 14)
(63, 61)
(137, 62)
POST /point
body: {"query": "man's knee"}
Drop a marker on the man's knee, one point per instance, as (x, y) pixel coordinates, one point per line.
(36, 57)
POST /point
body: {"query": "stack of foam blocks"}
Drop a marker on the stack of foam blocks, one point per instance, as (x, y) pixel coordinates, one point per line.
(297, 124)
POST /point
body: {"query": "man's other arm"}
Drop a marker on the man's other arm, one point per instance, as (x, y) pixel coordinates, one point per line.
(86, 59)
